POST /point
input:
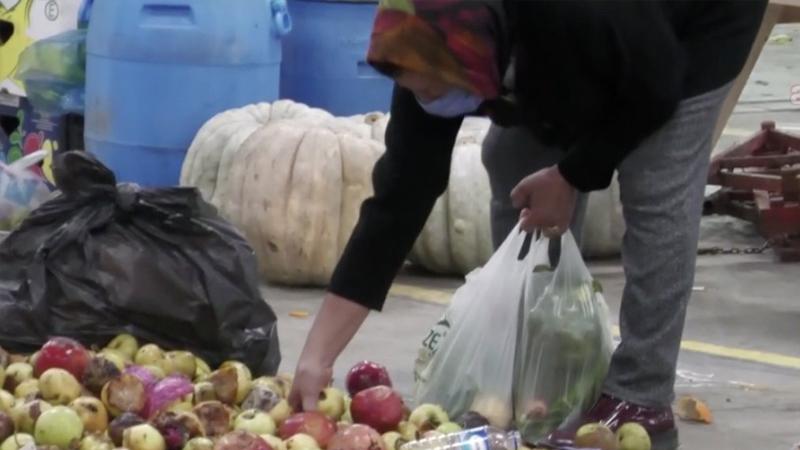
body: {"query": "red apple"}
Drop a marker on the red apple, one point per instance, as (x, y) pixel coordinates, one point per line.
(357, 437)
(379, 407)
(314, 424)
(365, 375)
(62, 353)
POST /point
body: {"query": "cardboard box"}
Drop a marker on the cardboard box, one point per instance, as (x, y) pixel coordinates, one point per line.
(31, 20)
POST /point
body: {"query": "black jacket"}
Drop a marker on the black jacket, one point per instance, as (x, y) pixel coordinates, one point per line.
(593, 78)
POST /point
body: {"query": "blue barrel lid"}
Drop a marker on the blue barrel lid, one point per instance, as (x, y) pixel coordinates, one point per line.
(187, 31)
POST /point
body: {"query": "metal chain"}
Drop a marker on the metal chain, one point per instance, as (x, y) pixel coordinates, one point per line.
(713, 251)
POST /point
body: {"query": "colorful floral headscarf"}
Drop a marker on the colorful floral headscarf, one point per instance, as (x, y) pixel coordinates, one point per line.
(454, 41)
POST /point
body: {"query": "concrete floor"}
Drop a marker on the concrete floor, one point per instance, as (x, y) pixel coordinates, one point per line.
(742, 339)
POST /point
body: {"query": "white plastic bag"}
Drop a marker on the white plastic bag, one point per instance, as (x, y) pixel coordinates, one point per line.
(21, 191)
(467, 360)
(565, 343)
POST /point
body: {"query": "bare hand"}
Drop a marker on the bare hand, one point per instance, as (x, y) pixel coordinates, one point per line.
(547, 201)
(337, 321)
(310, 379)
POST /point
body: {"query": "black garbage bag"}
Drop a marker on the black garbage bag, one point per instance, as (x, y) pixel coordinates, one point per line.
(102, 259)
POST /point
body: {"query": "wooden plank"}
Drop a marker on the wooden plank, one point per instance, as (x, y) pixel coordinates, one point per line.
(769, 183)
(759, 161)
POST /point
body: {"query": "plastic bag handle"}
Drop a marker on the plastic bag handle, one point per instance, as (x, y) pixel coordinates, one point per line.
(29, 160)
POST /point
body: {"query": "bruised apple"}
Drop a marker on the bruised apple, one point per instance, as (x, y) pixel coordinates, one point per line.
(357, 437)
(314, 424)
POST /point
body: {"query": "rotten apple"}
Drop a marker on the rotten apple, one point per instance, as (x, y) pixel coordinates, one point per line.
(92, 412)
(59, 387)
(99, 371)
(117, 427)
(216, 417)
(125, 393)
(7, 427)
(261, 398)
(16, 374)
(314, 424)
(428, 417)
(357, 437)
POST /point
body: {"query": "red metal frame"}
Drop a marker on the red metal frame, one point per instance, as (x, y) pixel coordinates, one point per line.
(760, 182)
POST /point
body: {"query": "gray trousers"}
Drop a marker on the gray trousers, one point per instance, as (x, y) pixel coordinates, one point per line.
(662, 186)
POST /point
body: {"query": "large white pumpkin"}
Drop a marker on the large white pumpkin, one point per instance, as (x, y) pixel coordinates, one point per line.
(291, 178)
(457, 236)
(215, 147)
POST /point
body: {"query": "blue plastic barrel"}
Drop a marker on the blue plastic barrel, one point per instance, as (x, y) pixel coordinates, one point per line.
(158, 69)
(324, 58)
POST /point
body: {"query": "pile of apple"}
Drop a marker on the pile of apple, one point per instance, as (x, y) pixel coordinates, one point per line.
(144, 398)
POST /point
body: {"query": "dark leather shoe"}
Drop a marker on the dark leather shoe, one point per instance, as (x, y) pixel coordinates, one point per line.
(613, 412)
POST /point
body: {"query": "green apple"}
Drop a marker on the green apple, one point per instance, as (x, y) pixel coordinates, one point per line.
(331, 403)
(116, 358)
(143, 437)
(273, 441)
(184, 363)
(60, 426)
(59, 387)
(280, 412)
(633, 436)
(96, 442)
(16, 373)
(449, 427)
(202, 369)
(7, 401)
(408, 430)
(255, 421)
(199, 443)
(428, 417)
(25, 414)
(149, 355)
(17, 441)
(126, 345)
(156, 370)
(596, 435)
(28, 389)
(301, 442)
(393, 440)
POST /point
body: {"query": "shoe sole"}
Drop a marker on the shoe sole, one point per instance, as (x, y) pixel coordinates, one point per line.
(667, 440)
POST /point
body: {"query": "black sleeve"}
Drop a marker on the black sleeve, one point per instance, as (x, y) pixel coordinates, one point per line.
(649, 65)
(407, 181)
